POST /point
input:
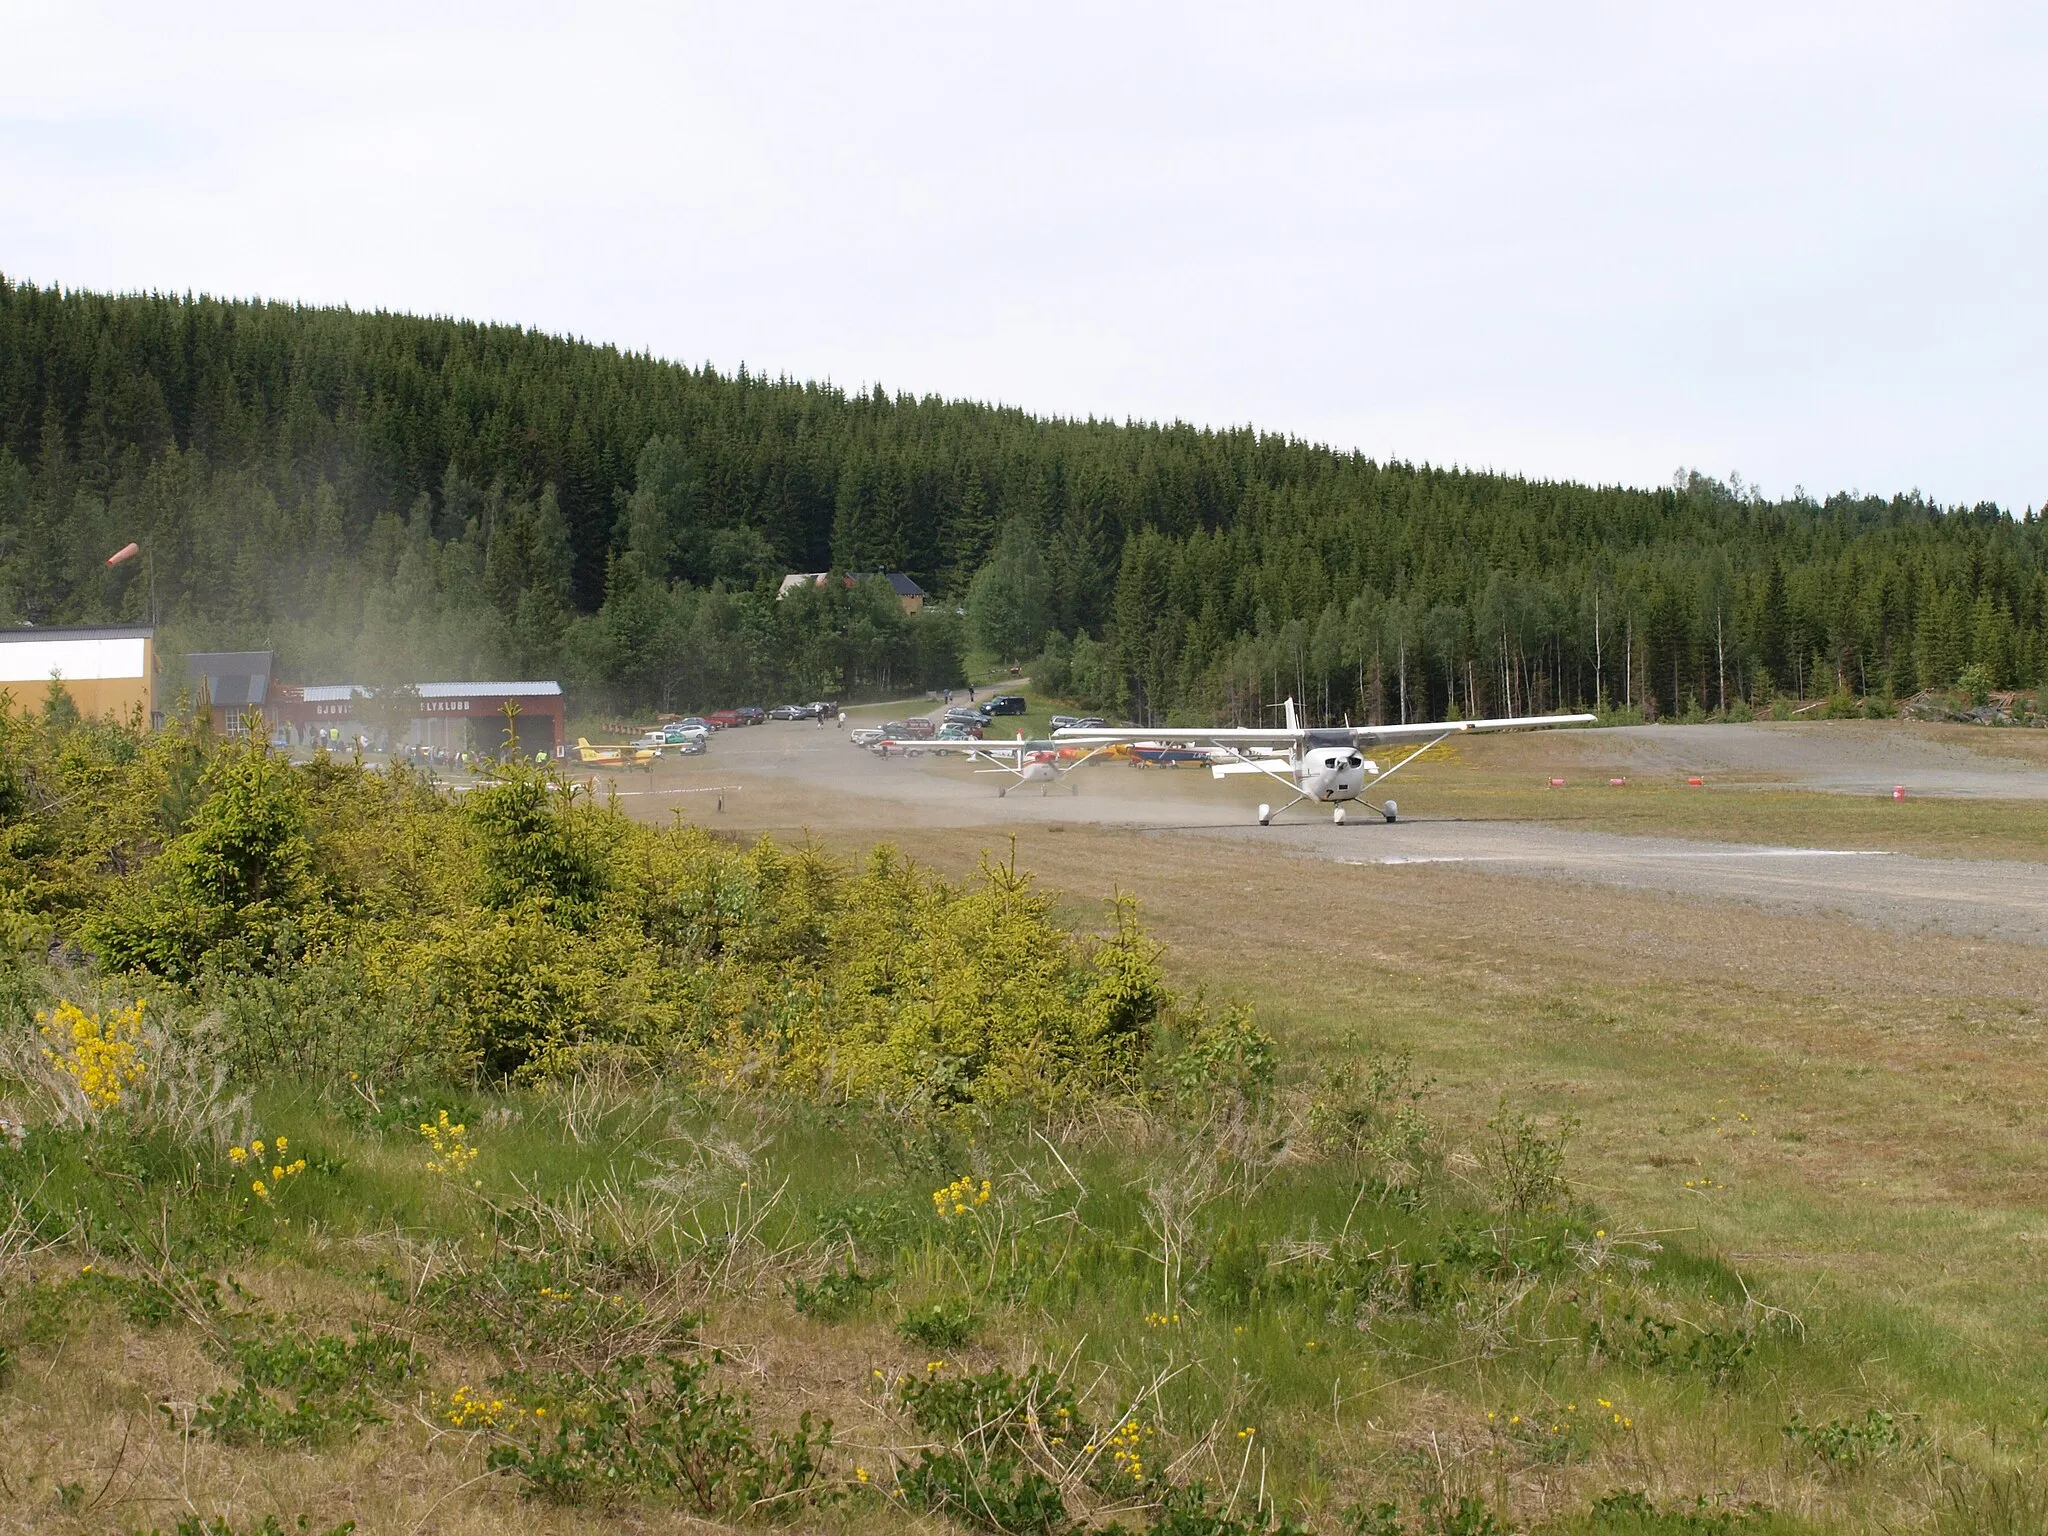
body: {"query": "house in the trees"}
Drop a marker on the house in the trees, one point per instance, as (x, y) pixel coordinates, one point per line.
(908, 592)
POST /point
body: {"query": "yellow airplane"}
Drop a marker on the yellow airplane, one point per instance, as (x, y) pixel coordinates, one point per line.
(614, 757)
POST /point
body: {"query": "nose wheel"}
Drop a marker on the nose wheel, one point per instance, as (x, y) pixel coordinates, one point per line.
(1338, 816)
(1265, 815)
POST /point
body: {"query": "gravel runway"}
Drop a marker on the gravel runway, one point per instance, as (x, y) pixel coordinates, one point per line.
(800, 776)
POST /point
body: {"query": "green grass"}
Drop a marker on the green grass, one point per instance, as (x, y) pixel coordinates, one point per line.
(1306, 1310)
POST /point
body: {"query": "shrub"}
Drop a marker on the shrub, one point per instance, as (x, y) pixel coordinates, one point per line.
(1847, 1442)
(1228, 1057)
(939, 1325)
(328, 1380)
(836, 1295)
(241, 879)
(993, 1493)
(1525, 1163)
(644, 1428)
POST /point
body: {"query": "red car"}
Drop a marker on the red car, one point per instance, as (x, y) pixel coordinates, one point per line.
(723, 719)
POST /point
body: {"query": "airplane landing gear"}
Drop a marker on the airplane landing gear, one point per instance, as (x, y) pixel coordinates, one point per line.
(1392, 811)
(1340, 816)
(1265, 815)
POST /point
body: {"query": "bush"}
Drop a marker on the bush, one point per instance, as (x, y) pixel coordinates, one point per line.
(644, 1428)
(343, 921)
(1525, 1163)
(237, 887)
(298, 1390)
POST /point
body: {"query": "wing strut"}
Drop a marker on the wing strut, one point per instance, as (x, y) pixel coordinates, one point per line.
(1447, 735)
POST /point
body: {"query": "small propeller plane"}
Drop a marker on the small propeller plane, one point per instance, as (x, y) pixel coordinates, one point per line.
(1026, 762)
(614, 756)
(1324, 764)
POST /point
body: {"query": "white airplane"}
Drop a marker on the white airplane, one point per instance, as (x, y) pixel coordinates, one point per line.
(1324, 764)
(1026, 762)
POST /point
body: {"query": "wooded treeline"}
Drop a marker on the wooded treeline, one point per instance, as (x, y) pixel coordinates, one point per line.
(386, 497)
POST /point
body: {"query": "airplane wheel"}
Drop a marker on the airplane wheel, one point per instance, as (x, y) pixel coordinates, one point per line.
(1393, 811)
(1265, 815)
(1340, 815)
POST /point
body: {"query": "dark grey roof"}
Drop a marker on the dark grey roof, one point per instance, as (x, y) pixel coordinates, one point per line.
(900, 583)
(233, 678)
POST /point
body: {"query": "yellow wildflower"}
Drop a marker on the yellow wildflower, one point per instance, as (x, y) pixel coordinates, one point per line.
(101, 1057)
(448, 1144)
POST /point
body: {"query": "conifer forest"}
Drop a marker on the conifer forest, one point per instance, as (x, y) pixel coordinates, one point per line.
(384, 497)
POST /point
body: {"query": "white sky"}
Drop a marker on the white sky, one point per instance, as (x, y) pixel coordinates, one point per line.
(1801, 242)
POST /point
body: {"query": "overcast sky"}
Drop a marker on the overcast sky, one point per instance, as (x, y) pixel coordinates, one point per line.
(1596, 241)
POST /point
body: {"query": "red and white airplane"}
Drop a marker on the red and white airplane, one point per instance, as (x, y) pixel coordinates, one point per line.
(1326, 764)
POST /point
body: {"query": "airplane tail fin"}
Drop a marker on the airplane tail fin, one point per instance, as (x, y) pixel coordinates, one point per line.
(1293, 717)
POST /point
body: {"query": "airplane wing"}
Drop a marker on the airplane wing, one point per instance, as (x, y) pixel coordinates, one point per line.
(1218, 736)
(966, 748)
(1367, 735)
(1357, 735)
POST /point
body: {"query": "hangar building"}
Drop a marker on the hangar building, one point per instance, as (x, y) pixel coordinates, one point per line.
(107, 669)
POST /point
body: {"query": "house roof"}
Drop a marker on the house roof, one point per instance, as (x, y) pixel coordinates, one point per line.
(15, 632)
(899, 583)
(526, 690)
(232, 677)
(336, 693)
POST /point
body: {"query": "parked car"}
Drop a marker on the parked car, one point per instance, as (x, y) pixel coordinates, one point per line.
(916, 728)
(723, 719)
(822, 709)
(692, 723)
(868, 735)
(959, 730)
(682, 732)
(1007, 704)
(690, 743)
(751, 714)
(790, 712)
(967, 716)
(1064, 722)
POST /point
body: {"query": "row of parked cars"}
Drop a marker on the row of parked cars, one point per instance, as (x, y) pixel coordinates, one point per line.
(962, 722)
(749, 714)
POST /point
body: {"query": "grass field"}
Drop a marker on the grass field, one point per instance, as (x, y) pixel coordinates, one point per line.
(1942, 828)
(1524, 1207)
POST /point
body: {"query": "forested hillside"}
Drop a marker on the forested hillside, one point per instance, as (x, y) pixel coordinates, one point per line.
(380, 496)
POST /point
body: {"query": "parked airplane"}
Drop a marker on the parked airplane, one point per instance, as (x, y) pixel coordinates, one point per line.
(614, 757)
(1324, 764)
(1026, 762)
